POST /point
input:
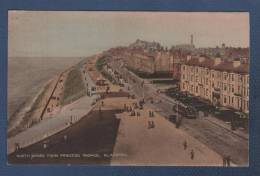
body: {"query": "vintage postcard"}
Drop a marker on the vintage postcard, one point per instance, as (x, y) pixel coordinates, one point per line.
(128, 88)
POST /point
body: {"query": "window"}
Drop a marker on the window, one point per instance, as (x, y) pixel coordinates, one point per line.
(212, 75)
(225, 87)
(196, 89)
(238, 103)
(232, 100)
(232, 88)
(225, 99)
(225, 76)
(228, 99)
(232, 76)
(206, 92)
(197, 70)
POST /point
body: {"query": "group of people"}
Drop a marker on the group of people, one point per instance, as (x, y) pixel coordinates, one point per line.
(226, 161)
(132, 110)
(192, 153)
(151, 122)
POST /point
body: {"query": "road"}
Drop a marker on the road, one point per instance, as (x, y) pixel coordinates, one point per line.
(223, 141)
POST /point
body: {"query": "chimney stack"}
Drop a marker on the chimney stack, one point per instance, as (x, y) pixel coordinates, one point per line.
(191, 39)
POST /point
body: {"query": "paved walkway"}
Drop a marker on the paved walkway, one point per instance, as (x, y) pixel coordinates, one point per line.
(162, 145)
(48, 127)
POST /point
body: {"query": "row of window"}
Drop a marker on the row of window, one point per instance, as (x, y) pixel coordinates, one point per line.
(227, 100)
(228, 87)
(223, 75)
(240, 103)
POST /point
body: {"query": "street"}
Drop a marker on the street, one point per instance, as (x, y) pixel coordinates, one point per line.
(222, 140)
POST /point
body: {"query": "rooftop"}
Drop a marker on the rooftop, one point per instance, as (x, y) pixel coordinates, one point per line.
(223, 65)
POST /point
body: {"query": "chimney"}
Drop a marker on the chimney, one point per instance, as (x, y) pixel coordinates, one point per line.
(236, 63)
(191, 39)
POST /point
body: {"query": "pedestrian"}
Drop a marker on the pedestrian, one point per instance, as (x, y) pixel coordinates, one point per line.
(192, 154)
(17, 146)
(153, 125)
(228, 161)
(44, 145)
(185, 145)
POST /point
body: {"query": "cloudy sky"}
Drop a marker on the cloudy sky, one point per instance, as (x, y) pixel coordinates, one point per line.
(58, 34)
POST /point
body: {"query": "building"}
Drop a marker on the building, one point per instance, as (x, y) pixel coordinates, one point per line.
(163, 62)
(141, 63)
(185, 47)
(220, 82)
(176, 69)
(151, 62)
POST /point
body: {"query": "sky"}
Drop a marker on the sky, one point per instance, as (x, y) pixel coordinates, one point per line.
(77, 34)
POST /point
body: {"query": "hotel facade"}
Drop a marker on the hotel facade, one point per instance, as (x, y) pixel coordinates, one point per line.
(220, 82)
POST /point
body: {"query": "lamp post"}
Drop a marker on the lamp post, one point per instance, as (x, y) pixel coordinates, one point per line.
(142, 84)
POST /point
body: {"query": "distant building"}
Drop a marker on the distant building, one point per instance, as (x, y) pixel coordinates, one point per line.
(187, 47)
(149, 62)
(145, 45)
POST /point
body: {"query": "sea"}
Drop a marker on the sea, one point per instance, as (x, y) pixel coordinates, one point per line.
(27, 75)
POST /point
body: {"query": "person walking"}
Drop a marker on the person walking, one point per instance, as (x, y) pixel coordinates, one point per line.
(185, 145)
(125, 107)
(65, 138)
(228, 161)
(192, 155)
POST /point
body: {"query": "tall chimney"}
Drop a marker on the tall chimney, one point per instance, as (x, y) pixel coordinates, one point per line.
(191, 39)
